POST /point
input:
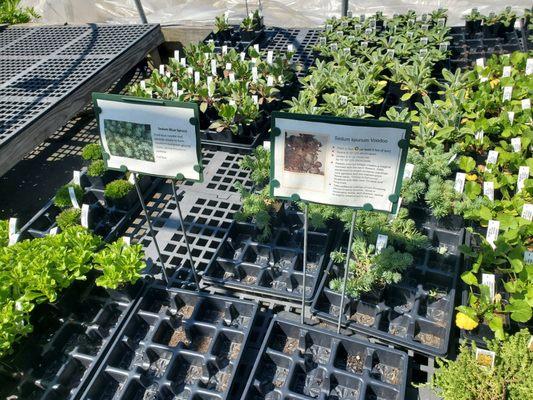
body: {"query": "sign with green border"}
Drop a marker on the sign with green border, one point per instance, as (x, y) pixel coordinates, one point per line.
(149, 136)
(356, 163)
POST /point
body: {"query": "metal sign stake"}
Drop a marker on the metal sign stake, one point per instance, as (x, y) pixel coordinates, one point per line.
(183, 230)
(152, 233)
(304, 261)
(346, 268)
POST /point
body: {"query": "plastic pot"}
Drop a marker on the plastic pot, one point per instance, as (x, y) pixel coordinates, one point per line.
(472, 27)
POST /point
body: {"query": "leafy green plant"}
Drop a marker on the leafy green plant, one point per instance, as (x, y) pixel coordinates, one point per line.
(369, 270)
(227, 113)
(92, 152)
(260, 207)
(117, 189)
(474, 15)
(62, 197)
(259, 165)
(120, 264)
(4, 233)
(69, 217)
(96, 168)
(441, 196)
(11, 12)
(467, 379)
(221, 24)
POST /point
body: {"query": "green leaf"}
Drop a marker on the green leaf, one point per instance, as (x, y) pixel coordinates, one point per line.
(520, 310)
(467, 164)
(406, 96)
(485, 213)
(472, 190)
(469, 278)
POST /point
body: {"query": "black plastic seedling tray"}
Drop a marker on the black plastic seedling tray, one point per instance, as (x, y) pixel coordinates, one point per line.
(176, 344)
(302, 362)
(273, 268)
(69, 337)
(416, 313)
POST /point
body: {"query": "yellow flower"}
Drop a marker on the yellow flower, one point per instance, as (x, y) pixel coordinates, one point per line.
(463, 321)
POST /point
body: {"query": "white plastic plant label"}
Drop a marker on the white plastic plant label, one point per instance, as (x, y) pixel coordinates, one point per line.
(183, 62)
(530, 344)
(206, 55)
(162, 69)
(408, 171)
(368, 31)
(488, 190)
(526, 104)
(425, 27)
(176, 54)
(360, 110)
(507, 93)
(527, 212)
(329, 27)
(126, 240)
(492, 157)
(506, 71)
(12, 226)
(142, 84)
(493, 230)
(452, 158)
(266, 145)
(224, 49)
(226, 16)
(242, 56)
(443, 46)
(485, 358)
(381, 243)
(480, 62)
(459, 185)
(54, 231)
(343, 100)
(190, 71)
(196, 77)
(254, 74)
(232, 77)
(167, 74)
(479, 135)
(255, 99)
(529, 66)
(231, 102)
(270, 80)
(333, 46)
(528, 257)
(322, 40)
(210, 86)
(13, 239)
(73, 198)
(390, 52)
(424, 41)
(523, 174)
(131, 179)
(510, 115)
(517, 144)
(346, 50)
(76, 177)
(256, 47)
(489, 280)
(290, 48)
(228, 66)
(441, 22)
(214, 67)
(270, 57)
(85, 215)
(364, 44)
(175, 87)
(423, 52)
(180, 92)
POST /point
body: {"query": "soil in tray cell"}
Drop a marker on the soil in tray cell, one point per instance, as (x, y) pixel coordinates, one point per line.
(241, 321)
(386, 373)
(428, 339)
(219, 381)
(319, 354)
(186, 311)
(179, 335)
(271, 375)
(309, 383)
(158, 363)
(200, 343)
(186, 374)
(350, 358)
(343, 393)
(287, 345)
(226, 348)
(363, 319)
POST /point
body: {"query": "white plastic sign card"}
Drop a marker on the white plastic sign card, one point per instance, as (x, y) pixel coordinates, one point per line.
(408, 171)
(460, 182)
(528, 257)
(149, 136)
(485, 358)
(529, 66)
(76, 177)
(85, 215)
(13, 225)
(488, 189)
(527, 212)
(73, 198)
(489, 280)
(54, 231)
(338, 161)
(523, 174)
(493, 230)
(381, 243)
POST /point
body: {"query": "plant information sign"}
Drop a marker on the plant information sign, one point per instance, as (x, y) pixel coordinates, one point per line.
(337, 161)
(152, 137)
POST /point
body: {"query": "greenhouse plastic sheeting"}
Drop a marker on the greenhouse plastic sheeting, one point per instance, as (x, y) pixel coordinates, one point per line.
(284, 13)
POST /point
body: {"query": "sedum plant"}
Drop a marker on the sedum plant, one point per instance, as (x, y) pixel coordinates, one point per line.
(92, 152)
(96, 168)
(69, 217)
(259, 165)
(62, 198)
(467, 379)
(369, 270)
(117, 189)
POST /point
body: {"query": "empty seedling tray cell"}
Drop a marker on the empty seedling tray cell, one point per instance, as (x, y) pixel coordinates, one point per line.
(416, 313)
(68, 339)
(176, 344)
(302, 362)
(273, 268)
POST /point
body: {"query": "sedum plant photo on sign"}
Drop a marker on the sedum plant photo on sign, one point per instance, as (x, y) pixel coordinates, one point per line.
(129, 139)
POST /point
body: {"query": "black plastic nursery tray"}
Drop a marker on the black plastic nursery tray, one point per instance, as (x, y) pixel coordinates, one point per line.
(237, 41)
(69, 338)
(301, 362)
(416, 313)
(465, 50)
(273, 268)
(176, 344)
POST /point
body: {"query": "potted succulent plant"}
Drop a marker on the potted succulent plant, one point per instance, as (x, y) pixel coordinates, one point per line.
(120, 194)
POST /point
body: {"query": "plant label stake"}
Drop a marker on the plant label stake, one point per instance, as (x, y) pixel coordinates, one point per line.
(76, 177)
(73, 198)
(85, 215)
(304, 261)
(346, 269)
(150, 227)
(185, 239)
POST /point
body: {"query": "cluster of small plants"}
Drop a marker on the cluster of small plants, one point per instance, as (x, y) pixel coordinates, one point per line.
(36, 271)
(93, 154)
(493, 24)
(506, 374)
(11, 12)
(495, 162)
(235, 91)
(129, 139)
